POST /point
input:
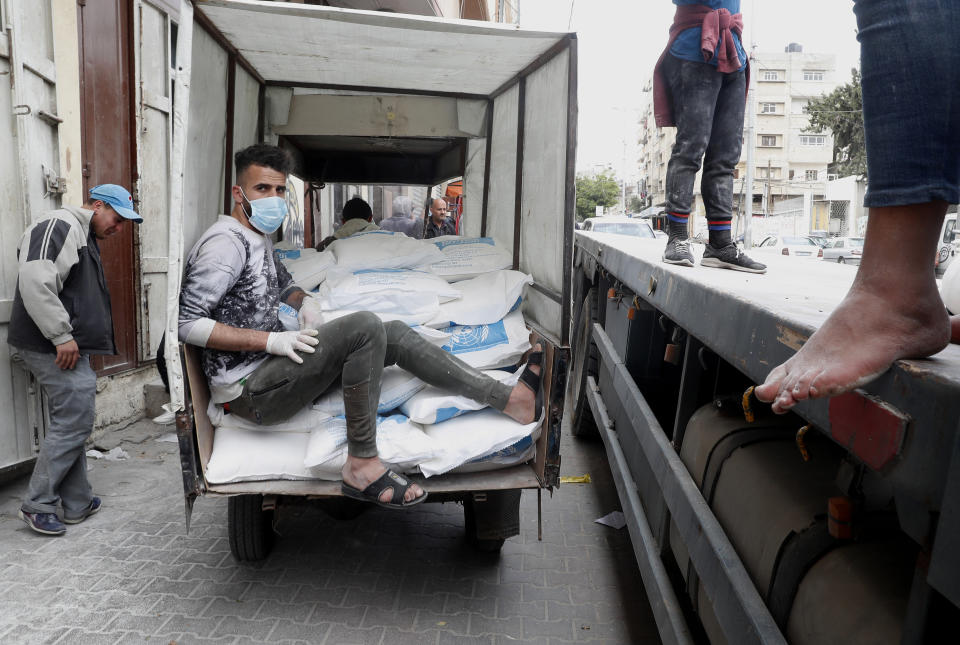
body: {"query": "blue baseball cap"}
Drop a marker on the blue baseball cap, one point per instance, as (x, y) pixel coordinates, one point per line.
(118, 198)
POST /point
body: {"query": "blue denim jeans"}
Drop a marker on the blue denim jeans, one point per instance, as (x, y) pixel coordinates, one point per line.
(708, 110)
(911, 100)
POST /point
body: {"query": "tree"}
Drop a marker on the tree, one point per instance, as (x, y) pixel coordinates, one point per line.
(635, 205)
(841, 113)
(593, 191)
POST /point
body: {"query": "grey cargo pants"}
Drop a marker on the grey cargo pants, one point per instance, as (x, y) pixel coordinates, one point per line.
(60, 474)
(354, 350)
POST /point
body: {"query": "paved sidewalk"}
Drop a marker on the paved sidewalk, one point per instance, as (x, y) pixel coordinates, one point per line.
(130, 574)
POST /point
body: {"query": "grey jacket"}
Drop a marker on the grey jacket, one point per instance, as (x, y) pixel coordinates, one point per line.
(61, 290)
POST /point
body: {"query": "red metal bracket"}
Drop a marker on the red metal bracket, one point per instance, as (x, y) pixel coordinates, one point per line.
(871, 429)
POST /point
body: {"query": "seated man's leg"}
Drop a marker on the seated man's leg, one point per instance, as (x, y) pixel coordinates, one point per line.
(351, 350)
(437, 367)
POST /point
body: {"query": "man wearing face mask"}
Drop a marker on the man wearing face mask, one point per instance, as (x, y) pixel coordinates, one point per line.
(229, 303)
(61, 316)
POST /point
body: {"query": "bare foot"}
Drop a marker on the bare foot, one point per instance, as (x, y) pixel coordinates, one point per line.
(523, 402)
(360, 473)
(860, 340)
(955, 329)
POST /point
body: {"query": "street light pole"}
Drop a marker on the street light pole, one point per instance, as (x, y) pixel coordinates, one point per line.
(751, 141)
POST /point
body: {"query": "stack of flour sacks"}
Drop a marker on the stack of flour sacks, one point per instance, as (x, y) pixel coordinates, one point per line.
(457, 293)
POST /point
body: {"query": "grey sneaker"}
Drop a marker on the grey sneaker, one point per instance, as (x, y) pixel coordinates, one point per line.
(730, 257)
(677, 252)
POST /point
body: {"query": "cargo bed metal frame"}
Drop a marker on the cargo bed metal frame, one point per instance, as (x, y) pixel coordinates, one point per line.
(745, 324)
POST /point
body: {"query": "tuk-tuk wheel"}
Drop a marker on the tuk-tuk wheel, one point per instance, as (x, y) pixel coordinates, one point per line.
(250, 528)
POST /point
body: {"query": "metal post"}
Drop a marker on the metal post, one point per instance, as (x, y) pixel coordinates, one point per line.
(751, 141)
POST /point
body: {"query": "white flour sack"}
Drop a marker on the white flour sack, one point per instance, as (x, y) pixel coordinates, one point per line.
(384, 250)
(399, 443)
(389, 290)
(434, 404)
(257, 455)
(471, 435)
(484, 299)
(396, 386)
(307, 267)
(468, 257)
(499, 344)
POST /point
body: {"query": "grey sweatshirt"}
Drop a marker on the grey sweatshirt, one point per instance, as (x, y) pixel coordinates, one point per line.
(231, 277)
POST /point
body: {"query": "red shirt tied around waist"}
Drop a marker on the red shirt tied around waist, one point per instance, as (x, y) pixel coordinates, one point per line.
(717, 28)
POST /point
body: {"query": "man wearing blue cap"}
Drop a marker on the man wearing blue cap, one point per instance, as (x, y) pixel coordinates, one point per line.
(61, 315)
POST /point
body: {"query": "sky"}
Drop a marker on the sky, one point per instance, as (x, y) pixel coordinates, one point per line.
(621, 40)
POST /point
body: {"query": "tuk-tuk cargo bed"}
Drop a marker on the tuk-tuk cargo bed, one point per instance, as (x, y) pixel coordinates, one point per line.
(512, 477)
(756, 322)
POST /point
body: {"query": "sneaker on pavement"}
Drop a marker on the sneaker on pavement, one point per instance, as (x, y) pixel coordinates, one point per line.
(45, 523)
(92, 508)
(730, 257)
(677, 252)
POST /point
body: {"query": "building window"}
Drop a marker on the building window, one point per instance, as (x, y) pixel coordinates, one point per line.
(819, 140)
(768, 141)
(791, 174)
(798, 105)
(770, 75)
(764, 172)
(811, 175)
(768, 108)
(811, 75)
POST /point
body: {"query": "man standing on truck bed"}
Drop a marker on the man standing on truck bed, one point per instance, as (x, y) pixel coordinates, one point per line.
(911, 118)
(357, 217)
(61, 315)
(400, 220)
(699, 85)
(229, 300)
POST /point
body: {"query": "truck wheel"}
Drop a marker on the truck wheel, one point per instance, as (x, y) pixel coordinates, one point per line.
(470, 528)
(583, 363)
(250, 528)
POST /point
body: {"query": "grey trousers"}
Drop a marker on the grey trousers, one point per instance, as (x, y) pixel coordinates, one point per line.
(354, 350)
(60, 474)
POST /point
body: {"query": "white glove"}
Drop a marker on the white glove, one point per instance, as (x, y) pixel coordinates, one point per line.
(288, 343)
(310, 315)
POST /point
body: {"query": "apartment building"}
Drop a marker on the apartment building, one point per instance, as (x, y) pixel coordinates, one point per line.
(789, 163)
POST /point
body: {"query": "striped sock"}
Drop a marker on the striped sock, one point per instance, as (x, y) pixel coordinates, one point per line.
(678, 224)
(719, 232)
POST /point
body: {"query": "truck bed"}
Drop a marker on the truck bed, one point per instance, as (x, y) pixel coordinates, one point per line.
(756, 322)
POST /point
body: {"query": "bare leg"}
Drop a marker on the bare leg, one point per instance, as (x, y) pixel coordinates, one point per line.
(360, 472)
(522, 403)
(892, 311)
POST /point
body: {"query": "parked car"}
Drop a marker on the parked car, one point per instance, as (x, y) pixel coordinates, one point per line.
(844, 250)
(791, 245)
(619, 225)
(660, 235)
(947, 247)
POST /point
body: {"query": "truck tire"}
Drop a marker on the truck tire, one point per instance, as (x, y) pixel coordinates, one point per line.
(583, 363)
(250, 528)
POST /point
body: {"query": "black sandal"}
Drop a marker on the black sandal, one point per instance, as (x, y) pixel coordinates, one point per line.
(397, 483)
(534, 381)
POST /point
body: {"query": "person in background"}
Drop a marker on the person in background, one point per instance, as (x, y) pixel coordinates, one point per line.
(439, 223)
(61, 316)
(357, 217)
(400, 220)
(893, 309)
(700, 85)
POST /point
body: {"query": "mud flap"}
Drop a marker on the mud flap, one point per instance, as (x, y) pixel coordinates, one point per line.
(495, 515)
